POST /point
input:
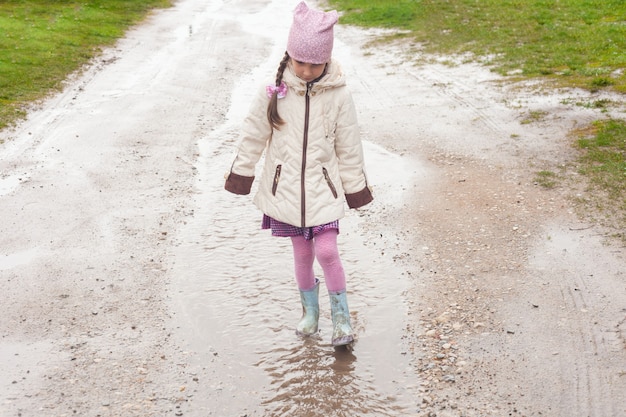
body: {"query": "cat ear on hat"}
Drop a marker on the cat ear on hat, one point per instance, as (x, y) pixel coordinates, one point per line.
(323, 18)
(302, 6)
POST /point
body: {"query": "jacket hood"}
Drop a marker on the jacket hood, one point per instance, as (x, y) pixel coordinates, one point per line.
(333, 78)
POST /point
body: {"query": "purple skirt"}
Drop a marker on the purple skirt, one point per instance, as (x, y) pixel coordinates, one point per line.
(287, 230)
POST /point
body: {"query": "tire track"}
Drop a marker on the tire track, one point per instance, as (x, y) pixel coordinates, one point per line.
(590, 352)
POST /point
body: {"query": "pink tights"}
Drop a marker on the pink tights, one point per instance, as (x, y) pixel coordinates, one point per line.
(324, 248)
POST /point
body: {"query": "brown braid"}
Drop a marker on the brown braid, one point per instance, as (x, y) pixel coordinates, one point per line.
(272, 108)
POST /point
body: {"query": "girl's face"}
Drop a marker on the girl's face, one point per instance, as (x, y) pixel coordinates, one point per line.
(307, 72)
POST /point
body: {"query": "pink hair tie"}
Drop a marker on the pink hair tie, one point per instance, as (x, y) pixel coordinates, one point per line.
(281, 90)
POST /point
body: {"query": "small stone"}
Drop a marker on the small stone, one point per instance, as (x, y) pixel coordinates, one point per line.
(443, 318)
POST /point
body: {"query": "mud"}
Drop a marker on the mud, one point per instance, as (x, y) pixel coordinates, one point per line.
(133, 285)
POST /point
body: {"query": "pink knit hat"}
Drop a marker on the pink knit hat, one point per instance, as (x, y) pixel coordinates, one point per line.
(311, 35)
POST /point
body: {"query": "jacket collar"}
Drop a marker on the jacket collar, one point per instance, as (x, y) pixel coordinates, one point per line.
(333, 78)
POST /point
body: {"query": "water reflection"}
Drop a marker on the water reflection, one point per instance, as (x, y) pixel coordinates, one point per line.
(312, 378)
(344, 359)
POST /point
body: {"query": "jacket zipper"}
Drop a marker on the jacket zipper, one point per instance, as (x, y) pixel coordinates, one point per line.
(276, 179)
(305, 141)
(329, 182)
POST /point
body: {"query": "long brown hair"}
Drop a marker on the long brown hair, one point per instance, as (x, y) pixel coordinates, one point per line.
(272, 108)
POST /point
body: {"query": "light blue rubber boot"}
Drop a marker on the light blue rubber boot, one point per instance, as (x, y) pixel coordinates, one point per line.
(342, 330)
(310, 311)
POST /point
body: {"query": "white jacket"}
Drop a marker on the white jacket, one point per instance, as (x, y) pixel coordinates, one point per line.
(312, 161)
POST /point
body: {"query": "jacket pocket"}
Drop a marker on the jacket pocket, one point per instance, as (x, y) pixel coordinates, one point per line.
(276, 179)
(329, 182)
(330, 128)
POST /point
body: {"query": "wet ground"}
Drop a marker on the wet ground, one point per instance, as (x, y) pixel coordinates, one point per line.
(133, 285)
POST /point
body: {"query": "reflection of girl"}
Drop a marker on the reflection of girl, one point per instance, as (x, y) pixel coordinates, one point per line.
(306, 124)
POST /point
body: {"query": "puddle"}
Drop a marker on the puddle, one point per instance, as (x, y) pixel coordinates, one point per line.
(237, 305)
(12, 260)
(8, 184)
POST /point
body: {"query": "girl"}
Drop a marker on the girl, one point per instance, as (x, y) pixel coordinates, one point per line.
(306, 123)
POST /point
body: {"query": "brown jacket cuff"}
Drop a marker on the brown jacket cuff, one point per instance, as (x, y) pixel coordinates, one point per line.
(238, 184)
(356, 200)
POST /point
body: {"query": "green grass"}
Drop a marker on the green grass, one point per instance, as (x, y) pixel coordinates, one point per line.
(546, 179)
(42, 41)
(603, 161)
(575, 42)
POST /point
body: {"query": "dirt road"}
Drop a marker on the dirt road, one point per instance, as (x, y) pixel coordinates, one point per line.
(133, 285)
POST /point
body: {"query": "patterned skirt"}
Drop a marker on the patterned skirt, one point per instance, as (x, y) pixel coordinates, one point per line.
(287, 230)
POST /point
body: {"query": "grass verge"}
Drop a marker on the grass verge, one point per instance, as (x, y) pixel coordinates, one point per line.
(42, 41)
(579, 43)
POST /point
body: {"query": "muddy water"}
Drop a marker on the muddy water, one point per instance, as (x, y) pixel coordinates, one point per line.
(237, 306)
